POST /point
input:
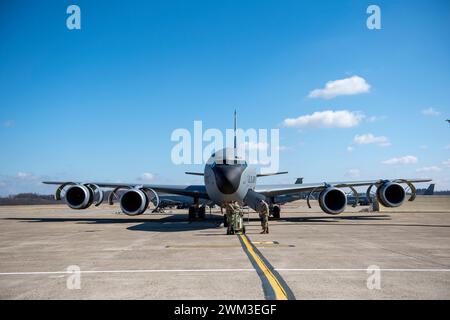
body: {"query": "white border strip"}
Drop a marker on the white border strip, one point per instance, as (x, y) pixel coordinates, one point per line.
(385, 270)
(212, 270)
(123, 271)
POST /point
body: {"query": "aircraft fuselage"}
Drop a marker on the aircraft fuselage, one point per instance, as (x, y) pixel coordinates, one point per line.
(228, 177)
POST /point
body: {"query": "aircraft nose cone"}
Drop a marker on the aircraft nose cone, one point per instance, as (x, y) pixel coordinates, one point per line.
(228, 178)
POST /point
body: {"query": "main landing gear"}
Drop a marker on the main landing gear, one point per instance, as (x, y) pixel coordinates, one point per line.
(225, 221)
(197, 213)
(275, 212)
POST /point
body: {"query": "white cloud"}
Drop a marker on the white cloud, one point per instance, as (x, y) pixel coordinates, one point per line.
(350, 148)
(429, 169)
(25, 182)
(146, 177)
(375, 118)
(25, 175)
(369, 138)
(8, 123)
(446, 163)
(347, 86)
(326, 119)
(431, 112)
(401, 160)
(353, 173)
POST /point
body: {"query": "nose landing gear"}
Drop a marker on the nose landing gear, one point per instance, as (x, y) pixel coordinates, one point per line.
(225, 221)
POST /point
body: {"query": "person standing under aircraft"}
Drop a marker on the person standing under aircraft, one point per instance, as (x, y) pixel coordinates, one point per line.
(264, 216)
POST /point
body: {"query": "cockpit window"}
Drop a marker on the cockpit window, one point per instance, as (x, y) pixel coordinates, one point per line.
(224, 162)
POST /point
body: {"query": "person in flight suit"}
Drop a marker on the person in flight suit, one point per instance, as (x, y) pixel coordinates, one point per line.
(264, 216)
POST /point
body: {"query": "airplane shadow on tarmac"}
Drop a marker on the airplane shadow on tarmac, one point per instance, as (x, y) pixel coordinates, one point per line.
(171, 223)
(179, 223)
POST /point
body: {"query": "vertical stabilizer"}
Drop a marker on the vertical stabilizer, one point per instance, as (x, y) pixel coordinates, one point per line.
(235, 124)
(430, 190)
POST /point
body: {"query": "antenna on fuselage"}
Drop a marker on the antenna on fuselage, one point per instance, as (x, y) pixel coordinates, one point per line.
(235, 123)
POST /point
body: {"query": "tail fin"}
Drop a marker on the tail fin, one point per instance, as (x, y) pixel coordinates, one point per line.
(430, 190)
(299, 181)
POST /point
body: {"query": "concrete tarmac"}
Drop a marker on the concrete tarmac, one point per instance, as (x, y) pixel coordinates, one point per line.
(162, 256)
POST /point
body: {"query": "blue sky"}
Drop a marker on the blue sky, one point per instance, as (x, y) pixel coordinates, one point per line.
(101, 103)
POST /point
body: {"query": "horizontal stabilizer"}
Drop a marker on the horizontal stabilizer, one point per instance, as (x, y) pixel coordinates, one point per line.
(195, 173)
(270, 174)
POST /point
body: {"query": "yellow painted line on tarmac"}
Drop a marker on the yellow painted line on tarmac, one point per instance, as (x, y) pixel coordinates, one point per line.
(277, 287)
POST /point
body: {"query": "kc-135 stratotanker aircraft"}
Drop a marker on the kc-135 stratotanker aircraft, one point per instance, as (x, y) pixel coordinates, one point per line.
(228, 178)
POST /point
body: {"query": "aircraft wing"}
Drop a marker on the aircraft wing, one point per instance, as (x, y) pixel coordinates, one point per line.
(284, 189)
(185, 190)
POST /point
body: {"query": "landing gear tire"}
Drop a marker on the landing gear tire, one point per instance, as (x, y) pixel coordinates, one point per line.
(197, 213)
(201, 213)
(276, 212)
(191, 213)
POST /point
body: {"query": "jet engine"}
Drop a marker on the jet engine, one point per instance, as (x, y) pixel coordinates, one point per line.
(332, 200)
(391, 194)
(79, 196)
(134, 202)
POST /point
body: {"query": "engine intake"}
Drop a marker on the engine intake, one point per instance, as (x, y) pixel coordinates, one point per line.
(79, 196)
(391, 194)
(134, 202)
(332, 200)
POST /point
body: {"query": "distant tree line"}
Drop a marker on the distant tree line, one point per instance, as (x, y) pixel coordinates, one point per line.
(27, 198)
(34, 198)
(436, 193)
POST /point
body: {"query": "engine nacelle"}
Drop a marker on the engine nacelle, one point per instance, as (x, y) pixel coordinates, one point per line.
(79, 196)
(332, 200)
(391, 194)
(134, 202)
